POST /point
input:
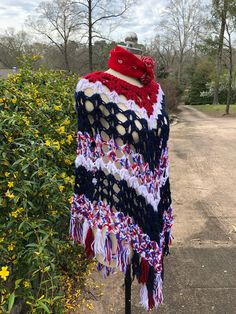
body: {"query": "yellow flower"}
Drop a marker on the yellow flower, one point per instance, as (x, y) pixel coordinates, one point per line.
(62, 141)
(13, 257)
(61, 130)
(4, 273)
(14, 214)
(27, 122)
(10, 184)
(1, 239)
(26, 283)
(1, 99)
(66, 122)
(63, 175)
(69, 139)
(40, 172)
(57, 145)
(7, 174)
(20, 210)
(47, 142)
(90, 306)
(38, 101)
(10, 139)
(68, 162)
(57, 108)
(69, 180)
(14, 99)
(9, 194)
(61, 188)
(17, 212)
(11, 247)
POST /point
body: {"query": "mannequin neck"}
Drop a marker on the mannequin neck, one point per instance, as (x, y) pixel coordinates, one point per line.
(126, 78)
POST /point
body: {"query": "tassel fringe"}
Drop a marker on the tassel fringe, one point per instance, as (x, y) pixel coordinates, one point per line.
(98, 241)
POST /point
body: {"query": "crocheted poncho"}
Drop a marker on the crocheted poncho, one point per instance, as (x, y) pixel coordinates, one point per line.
(121, 207)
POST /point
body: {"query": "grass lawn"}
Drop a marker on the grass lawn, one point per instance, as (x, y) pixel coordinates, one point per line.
(216, 110)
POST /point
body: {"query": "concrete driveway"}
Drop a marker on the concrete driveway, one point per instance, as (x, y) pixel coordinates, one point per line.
(200, 275)
(201, 271)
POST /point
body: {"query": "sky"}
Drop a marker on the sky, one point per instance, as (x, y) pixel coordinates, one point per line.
(142, 18)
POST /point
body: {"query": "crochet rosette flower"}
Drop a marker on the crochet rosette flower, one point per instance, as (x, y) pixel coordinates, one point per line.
(121, 207)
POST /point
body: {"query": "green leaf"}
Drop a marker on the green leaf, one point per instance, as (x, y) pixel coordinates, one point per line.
(58, 297)
(32, 245)
(17, 283)
(43, 306)
(11, 301)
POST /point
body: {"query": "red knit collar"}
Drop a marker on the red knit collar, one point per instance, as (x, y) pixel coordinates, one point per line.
(125, 62)
(144, 97)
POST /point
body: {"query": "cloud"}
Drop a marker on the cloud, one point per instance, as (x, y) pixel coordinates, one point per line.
(14, 12)
(142, 20)
(142, 17)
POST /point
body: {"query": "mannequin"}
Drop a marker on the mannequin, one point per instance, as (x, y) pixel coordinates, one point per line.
(121, 207)
(126, 78)
(130, 40)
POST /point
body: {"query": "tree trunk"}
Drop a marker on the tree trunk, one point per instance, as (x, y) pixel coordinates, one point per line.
(90, 36)
(223, 15)
(180, 67)
(229, 92)
(66, 57)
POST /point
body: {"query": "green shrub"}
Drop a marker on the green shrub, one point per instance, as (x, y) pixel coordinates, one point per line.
(200, 78)
(37, 136)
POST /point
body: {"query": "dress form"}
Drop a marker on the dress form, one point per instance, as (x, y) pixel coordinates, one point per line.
(126, 78)
(121, 205)
(122, 105)
(131, 41)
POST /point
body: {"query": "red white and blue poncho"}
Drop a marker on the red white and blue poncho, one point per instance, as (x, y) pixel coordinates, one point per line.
(121, 208)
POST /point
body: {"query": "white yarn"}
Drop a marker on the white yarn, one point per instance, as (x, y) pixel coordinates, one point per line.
(158, 294)
(99, 242)
(98, 87)
(85, 230)
(144, 296)
(124, 174)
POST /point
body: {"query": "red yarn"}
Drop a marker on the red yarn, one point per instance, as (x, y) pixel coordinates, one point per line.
(88, 244)
(125, 62)
(144, 97)
(144, 271)
(151, 302)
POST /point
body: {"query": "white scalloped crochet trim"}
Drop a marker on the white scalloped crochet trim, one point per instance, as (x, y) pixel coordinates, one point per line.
(151, 198)
(98, 87)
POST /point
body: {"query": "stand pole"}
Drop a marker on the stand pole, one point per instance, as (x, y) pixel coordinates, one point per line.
(128, 283)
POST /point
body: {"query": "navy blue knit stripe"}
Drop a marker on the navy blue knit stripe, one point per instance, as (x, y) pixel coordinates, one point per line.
(149, 144)
(98, 185)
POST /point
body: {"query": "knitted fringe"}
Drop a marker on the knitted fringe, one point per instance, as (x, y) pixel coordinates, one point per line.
(105, 270)
(150, 299)
(151, 290)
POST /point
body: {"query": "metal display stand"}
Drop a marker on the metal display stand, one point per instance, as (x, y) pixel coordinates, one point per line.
(128, 283)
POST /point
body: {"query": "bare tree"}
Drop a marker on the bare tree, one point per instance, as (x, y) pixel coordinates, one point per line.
(96, 13)
(163, 51)
(12, 45)
(58, 21)
(230, 28)
(182, 24)
(221, 9)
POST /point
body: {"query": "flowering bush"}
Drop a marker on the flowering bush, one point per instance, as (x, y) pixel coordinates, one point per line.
(223, 88)
(37, 135)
